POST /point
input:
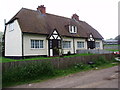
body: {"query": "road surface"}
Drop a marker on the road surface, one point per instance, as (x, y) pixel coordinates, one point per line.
(105, 78)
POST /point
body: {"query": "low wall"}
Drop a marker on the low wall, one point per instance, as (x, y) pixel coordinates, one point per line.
(59, 63)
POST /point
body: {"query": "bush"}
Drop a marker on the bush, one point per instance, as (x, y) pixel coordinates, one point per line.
(81, 66)
(100, 61)
(28, 72)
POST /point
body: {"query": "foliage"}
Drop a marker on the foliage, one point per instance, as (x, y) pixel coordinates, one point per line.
(82, 54)
(27, 72)
(41, 71)
(100, 61)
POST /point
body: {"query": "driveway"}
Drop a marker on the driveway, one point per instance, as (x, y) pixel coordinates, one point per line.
(105, 78)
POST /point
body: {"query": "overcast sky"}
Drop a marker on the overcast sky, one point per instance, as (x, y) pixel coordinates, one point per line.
(100, 14)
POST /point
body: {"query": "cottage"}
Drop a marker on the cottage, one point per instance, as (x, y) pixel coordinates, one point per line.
(37, 33)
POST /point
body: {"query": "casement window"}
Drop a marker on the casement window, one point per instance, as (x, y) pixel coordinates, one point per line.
(66, 44)
(97, 44)
(80, 44)
(72, 29)
(11, 26)
(36, 43)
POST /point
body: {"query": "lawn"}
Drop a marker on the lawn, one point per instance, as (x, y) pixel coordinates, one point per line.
(112, 50)
(5, 60)
(111, 45)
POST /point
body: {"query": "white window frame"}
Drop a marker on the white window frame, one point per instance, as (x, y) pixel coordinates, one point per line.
(37, 44)
(97, 44)
(66, 44)
(72, 29)
(82, 44)
(11, 26)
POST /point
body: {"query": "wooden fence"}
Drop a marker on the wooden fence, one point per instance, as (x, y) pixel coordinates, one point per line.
(59, 63)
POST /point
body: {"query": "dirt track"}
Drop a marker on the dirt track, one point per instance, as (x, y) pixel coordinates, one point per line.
(105, 78)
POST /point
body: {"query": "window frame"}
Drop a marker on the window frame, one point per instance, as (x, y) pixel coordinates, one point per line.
(96, 45)
(82, 42)
(11, 27)
(66, 44)
(36, 44)
(72, 29)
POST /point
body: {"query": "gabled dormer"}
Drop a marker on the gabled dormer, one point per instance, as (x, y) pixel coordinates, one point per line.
(55, 35)
(72, 29)
(91, 38)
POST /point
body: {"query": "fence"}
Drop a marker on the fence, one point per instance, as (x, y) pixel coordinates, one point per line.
(59, 63)
(111, 47)
(96, 51)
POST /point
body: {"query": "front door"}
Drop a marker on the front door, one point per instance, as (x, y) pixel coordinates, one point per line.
(91, 44)
(55, 47)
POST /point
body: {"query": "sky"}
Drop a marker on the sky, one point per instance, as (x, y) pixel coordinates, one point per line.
(100, 14)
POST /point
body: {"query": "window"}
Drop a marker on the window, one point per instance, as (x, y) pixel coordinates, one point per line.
(66, 44)
(80, 44)
(36, 43)
(97, 44)
(73, 29)
(11, 26)
(59, 44)
(50, 43)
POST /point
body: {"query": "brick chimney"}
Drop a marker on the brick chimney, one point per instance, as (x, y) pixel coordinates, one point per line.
(42, 9)
(75, 16)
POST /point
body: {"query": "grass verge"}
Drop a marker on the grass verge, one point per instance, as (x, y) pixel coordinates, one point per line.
(5, 60)
(112, 50)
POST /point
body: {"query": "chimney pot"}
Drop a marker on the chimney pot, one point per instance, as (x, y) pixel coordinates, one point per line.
(42, 9)
(75, 16)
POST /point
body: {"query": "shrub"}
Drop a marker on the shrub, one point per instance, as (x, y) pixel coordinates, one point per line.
(81, 66)
(28, 72)
(100, 61)
(68, 53)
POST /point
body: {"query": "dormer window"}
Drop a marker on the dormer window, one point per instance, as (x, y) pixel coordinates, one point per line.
(72, 29)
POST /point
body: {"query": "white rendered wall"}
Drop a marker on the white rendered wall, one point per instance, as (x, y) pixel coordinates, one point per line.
(13, 40)
(28, 51)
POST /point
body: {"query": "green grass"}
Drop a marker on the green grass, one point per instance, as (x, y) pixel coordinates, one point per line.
(111, 45)
(82, 54)
(37, 72)
(5, 60)
(112, 50)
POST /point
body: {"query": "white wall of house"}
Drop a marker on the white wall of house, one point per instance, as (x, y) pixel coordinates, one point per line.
(13, 40)
(66, 50)
(28, 51)
(101, 44)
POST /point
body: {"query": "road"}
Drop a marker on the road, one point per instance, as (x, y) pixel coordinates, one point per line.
(105, 78)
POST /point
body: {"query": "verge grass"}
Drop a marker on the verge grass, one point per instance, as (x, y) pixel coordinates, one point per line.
(112, 50)
(5, 60)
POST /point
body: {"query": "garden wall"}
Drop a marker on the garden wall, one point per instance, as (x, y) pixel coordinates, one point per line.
(59, 63)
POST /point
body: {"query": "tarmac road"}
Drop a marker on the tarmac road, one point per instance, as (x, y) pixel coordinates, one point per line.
(105, 78)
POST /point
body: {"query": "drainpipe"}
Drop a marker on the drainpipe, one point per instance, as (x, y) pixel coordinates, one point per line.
(22, 47)
(73, 45)
(61, 46)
